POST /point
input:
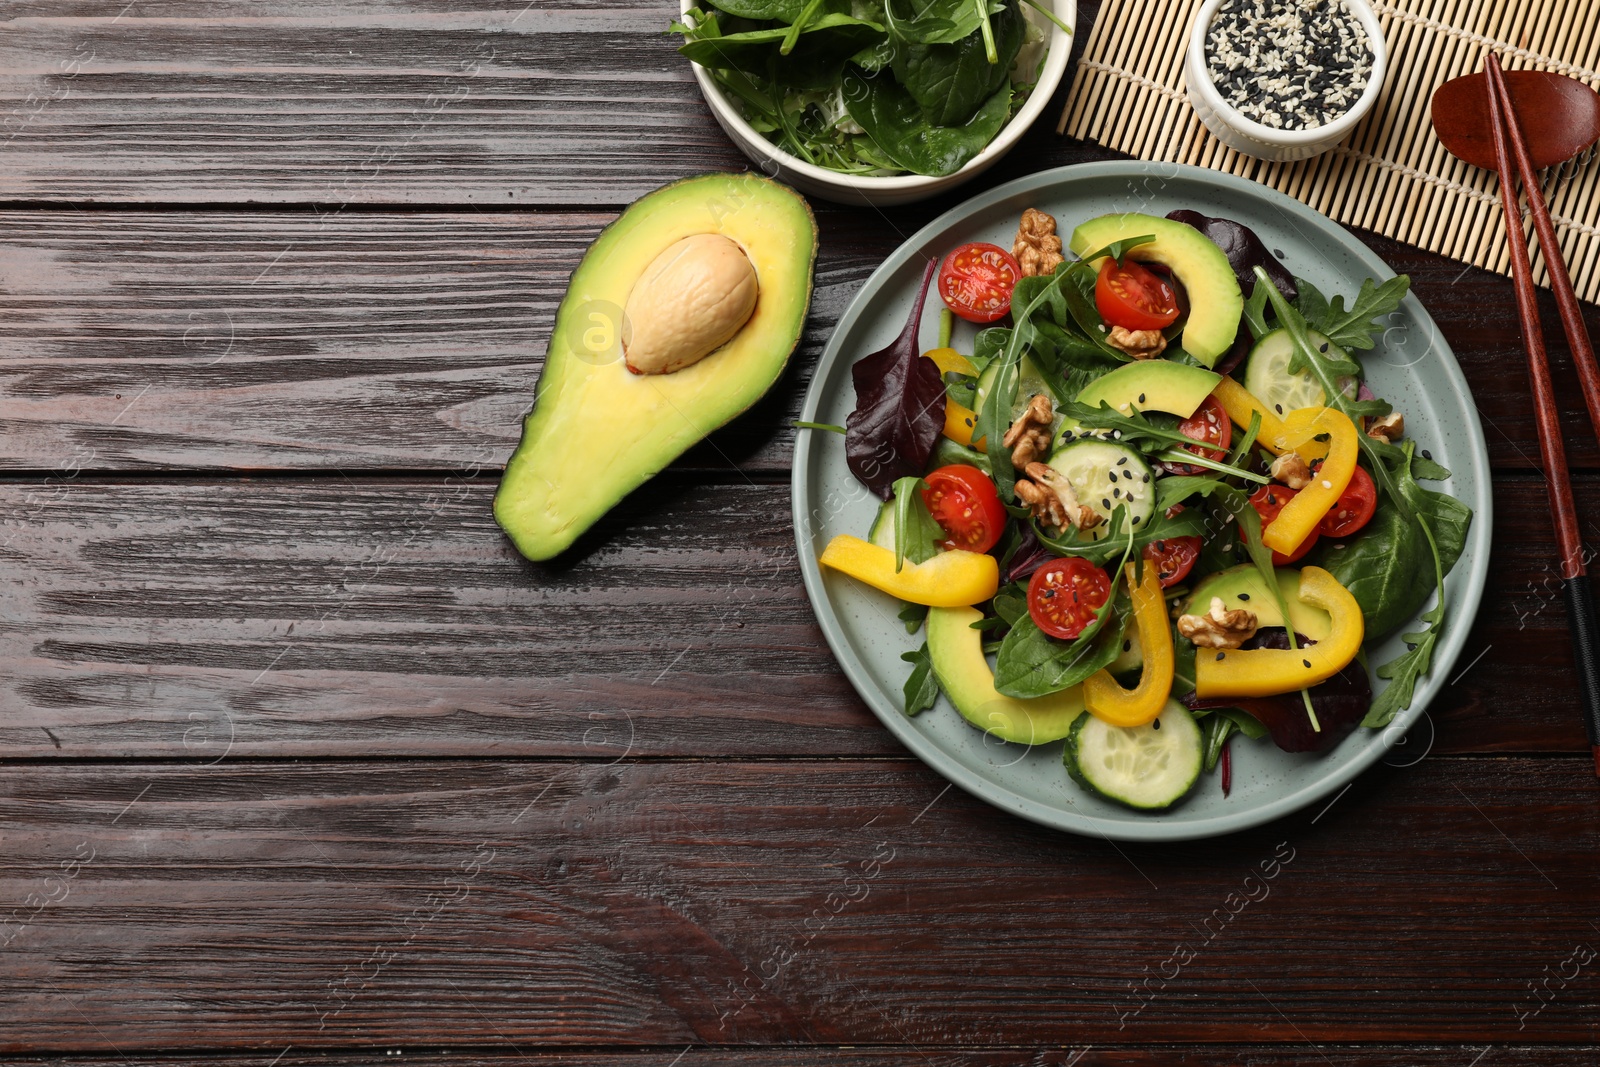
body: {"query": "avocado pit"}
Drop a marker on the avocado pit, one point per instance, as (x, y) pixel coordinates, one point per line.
(691, 300)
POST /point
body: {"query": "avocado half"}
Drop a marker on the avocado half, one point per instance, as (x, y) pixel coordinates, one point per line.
(597, 431)
(1215, 302)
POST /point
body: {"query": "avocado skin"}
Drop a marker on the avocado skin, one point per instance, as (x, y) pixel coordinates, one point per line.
(1215, 299)
(596, 432)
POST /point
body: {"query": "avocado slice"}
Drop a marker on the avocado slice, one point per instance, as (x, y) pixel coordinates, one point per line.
(1243, 587)
(956, 650)
(1149, 385)
(1215, 302)
(598, 431)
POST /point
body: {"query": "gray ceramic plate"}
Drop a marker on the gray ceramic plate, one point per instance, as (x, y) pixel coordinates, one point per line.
(1412, 367)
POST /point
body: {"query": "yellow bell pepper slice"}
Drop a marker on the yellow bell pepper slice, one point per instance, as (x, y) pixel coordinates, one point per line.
(954, 579)
(959, 419)
(1108, 701)
(1264, 672)
(1239, 403)
(1301, 515)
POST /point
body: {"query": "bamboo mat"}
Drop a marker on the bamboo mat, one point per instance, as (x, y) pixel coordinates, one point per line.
(1391, 175)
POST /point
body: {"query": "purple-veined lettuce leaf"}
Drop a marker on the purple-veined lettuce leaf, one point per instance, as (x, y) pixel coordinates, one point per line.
(899, 413)
(1245, 251)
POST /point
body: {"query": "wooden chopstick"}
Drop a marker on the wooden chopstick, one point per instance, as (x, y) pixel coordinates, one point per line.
(1549, 244)
(1582, 620)
(1551, 448)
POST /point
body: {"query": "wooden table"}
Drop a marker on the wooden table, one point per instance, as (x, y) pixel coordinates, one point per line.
(300, 763)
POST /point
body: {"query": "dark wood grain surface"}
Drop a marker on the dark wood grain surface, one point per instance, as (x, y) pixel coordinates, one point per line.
(300, 763)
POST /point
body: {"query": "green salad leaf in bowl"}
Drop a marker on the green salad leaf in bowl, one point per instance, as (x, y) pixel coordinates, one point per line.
(872, 87)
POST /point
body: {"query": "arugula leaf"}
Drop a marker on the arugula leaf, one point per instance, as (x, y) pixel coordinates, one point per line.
(1135, 428)
(922, 687)
(1404, 670)
(913, 615)
(1255, 312)
(1188, 523)
(1353, 327)
(916, 535)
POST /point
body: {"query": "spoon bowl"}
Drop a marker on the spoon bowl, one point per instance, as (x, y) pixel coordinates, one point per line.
(1560, 116)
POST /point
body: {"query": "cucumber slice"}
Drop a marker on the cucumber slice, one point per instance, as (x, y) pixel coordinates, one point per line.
(1267, 376)
(1148, 767)
(1107, 475)
(1029, 382)
(882, 532)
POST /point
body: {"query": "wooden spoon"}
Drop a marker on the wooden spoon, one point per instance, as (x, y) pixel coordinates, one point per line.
(1560, 116)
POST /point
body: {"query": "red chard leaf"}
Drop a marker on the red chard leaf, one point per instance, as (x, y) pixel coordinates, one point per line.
(900, 401)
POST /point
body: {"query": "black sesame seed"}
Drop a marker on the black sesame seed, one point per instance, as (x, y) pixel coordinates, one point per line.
(1279, 407)
(1141, 398)
(1244, 596)
(1307, 663)
(1127, 645)
(1426, 454)
(1324, 347)
(1121, 461)
(1279, 253)
(1155, 724)
(1220, 655)
(1107, 502)
(1147, 477)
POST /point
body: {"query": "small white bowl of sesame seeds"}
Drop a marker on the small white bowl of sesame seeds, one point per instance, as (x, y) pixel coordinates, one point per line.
(1284, 79)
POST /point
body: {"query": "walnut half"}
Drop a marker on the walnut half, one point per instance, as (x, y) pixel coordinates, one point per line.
(1037, 248)
(1291, 470)
(1219, 628)
(1390, 428)
(1050, 496)
(1140, 344)
(1029, 436)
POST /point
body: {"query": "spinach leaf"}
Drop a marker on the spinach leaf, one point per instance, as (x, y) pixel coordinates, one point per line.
(950, 82)
(815, 63)
(936, 21)
(1352, 327)
(1011, 602)
(916, 535)
(775, 10)
(922, 687)
(1033, 664)
(899, 411)
(883, 108)
(988, 344)
(1388, 566)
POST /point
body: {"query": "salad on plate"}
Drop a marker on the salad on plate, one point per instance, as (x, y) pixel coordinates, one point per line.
(1150, 503)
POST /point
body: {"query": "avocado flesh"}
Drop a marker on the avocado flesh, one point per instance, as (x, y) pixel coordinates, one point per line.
(598, 431)
(1215, 302)
(1149, 385)
(956, 650)
(1243, 587)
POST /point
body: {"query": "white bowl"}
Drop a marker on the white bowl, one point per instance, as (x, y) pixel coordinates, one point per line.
(854, 189)
(1252, 138)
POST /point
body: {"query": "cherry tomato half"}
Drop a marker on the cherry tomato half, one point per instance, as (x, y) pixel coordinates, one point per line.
(1065, 594)
(976, 281)
(1209, 423)
(1353, 509)
(1130, 295)
(1173, 558)
(965, 503)
(1268, 501)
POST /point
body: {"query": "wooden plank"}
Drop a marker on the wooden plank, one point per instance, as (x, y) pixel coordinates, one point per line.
(792, 1055)
(242, 340)
(730, 903)
(488, 103)
(140, 341)
(240, 619)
